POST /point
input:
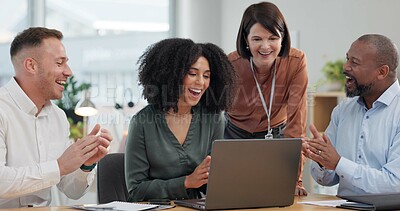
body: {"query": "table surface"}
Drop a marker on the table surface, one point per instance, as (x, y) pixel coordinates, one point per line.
(295, 206)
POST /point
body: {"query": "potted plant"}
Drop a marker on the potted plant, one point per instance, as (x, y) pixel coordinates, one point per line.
(333, 71)
(68, 102)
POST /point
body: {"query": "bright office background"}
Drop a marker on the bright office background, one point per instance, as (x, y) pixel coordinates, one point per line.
(104, 38)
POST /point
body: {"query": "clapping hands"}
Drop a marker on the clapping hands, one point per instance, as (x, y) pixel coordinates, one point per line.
(87, 150)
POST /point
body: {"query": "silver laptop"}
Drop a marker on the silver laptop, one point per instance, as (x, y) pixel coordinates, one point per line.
(249, 173)
(378, 201)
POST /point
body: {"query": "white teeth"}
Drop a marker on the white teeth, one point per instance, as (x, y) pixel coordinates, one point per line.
(347, 77)
(195, 90)
(61, 82)
(265, 53)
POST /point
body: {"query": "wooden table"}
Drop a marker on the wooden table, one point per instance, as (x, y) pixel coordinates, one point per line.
(295, 206)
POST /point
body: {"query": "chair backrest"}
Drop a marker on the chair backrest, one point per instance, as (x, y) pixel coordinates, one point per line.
(111, 185)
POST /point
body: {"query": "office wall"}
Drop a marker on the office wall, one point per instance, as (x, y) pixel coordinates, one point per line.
(325, 28)
(199, 20)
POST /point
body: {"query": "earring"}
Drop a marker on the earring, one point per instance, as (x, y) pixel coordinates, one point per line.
(247, 47)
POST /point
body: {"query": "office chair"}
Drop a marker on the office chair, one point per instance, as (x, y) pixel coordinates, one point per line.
(111, 185)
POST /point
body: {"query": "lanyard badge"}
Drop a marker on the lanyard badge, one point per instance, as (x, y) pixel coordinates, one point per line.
(268, 112)
(269, 135)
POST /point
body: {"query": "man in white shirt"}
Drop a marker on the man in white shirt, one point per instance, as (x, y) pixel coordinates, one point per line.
(35, 150)
(360, 149)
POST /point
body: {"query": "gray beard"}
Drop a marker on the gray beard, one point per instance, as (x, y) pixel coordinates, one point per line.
(360, 90)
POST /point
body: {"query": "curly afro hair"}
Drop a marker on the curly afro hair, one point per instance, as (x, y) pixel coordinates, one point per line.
(164, 64)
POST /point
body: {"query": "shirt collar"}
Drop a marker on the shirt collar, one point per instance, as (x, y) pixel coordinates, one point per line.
(23, 101)
(387, 97)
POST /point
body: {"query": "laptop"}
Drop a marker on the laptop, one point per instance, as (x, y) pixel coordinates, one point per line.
(381, 201)
(250, 173)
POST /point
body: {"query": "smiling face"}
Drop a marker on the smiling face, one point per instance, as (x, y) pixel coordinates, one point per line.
(360, 69)
(195, 83)
(264, 47)
(52, 69)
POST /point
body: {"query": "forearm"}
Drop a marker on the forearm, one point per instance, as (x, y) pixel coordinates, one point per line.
(370, 180)
(323, 176)
(301, 168)
(18, 181)
(76, 184)
(158, 189)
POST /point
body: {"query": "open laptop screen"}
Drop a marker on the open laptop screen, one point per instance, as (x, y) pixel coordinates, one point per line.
(249, 173)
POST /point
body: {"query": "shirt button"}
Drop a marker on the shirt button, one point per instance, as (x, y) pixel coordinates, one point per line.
(319, 180)
(367, 117)
(359, 156)
(362, 136)
(342, 176)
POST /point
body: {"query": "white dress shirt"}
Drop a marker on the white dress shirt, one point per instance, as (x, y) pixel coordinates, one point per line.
(368, 141)
(29, 149)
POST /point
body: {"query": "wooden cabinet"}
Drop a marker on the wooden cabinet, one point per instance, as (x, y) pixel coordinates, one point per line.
(320, 106)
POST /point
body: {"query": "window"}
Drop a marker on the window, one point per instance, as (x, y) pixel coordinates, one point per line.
(77, 18)
(103, 38)
(13, 19)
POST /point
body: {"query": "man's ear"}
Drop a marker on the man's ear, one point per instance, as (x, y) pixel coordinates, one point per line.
(383, 72)
(30, 65)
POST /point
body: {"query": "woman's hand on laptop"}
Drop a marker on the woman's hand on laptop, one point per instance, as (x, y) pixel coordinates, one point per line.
(199, 176)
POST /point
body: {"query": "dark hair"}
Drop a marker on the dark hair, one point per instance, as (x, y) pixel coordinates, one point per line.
(164, 64)
(269, 16)
(32, 37)
(386, 51)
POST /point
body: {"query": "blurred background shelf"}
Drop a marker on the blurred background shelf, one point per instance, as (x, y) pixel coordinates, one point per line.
(321, 106)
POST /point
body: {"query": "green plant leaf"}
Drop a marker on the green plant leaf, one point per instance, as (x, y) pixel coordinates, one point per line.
(70, 94)
(333, 71)
(75, 130)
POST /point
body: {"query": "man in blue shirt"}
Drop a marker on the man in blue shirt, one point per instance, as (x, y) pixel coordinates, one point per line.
(360, 149)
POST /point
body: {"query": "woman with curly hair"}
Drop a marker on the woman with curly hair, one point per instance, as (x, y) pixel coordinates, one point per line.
(187, 86)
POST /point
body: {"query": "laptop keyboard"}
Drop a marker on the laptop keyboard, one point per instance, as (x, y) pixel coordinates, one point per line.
(201, 201)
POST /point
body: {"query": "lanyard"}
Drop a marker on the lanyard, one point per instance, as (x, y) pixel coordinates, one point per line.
(268, 112)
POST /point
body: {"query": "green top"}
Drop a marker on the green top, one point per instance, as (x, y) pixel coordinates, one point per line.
(156, 164)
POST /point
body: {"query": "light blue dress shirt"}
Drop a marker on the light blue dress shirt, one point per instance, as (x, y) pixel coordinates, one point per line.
(368, 142)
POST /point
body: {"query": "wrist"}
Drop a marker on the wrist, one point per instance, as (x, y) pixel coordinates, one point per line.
(87, 168)
(60, 168)
(185, 182)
